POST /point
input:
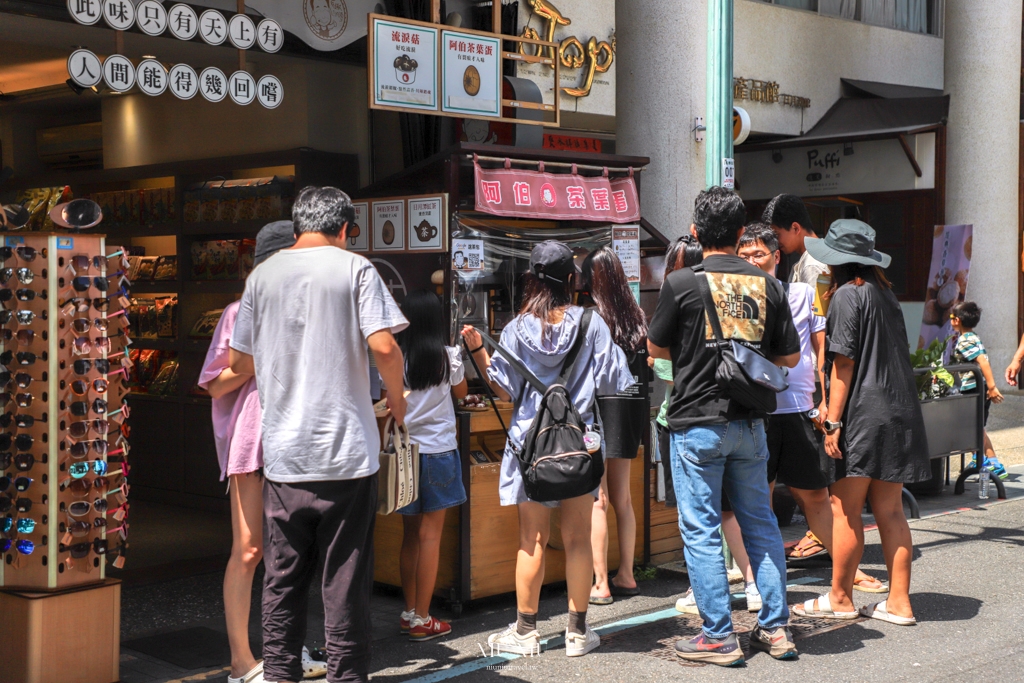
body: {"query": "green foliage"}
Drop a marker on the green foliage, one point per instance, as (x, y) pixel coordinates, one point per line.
(645, 573)
(938, 381)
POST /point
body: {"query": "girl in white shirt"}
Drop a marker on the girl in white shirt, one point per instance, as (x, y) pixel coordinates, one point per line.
(433, 375)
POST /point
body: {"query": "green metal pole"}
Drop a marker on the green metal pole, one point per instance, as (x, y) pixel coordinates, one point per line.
(718, 145)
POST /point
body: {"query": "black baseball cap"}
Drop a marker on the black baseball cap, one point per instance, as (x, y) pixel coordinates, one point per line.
(271, 238)
(552, 260)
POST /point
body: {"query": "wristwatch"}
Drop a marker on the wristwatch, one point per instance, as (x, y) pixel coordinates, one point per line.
(833, 427)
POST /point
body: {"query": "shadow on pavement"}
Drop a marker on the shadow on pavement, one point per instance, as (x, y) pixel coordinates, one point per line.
(944, 607)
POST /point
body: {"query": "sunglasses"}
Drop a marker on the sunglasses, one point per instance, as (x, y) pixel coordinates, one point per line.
(81, 528)
(24, 547)
(81, 488)
(77, 470)
(82, 346)
(22, 421)
(22, 442)
(82, 448)
(22, 357)
(25, 505)
(83, 325)
(22, 317)
(25, 275)
(27, 254)
(81, 508)
(80, 387)
(81, 550)
(22, 294)
(22, 379)
(81, 262)
(79, 430)
(83, 283)
(20, 484)
(82, 366)
(22, 399)
(24, 525)
(81, 408)
(24, 337)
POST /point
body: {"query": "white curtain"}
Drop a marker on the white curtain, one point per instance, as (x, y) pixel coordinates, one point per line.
(907, 15)
(878, 12)
(799, 4)
(847, 9)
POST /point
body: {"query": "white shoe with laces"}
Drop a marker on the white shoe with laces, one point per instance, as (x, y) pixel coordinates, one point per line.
(687, 604)
(510, 641)
(753, 597)
(577, 645)
(255, 675)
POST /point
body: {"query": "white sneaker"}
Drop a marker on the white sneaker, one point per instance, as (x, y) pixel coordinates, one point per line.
(255, 675)
(312, 668)
(510, 641)
(753, 597)
(687, 604)
(577, 645)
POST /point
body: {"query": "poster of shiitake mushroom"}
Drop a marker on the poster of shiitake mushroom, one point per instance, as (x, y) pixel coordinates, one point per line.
(947, 281)
(404, 65)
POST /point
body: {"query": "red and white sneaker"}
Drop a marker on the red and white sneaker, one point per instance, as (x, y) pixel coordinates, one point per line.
(428, 629)
(405, 621)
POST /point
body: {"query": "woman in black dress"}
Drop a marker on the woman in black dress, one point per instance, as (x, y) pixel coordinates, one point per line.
(874, 428)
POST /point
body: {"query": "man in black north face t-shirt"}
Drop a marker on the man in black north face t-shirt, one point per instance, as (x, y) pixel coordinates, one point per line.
(717, 443)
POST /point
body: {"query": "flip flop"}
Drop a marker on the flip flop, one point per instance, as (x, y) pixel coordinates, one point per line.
(620, 592)
(597, 600)
(823, 611)
(808, 542)
(870, 579)
(878, 611)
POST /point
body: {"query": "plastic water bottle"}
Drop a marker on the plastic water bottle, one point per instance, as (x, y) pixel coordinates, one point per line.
(983, 483)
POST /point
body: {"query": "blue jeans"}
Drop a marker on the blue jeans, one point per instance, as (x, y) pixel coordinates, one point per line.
(734, 455)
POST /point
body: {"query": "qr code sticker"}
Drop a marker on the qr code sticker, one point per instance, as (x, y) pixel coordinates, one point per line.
(473, 261)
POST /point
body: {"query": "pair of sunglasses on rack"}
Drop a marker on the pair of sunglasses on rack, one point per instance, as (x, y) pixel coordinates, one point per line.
(26, 254)
(82, 346)
(22, 379)
(23, 546)
(22, 462)
(22, 399)
(80, 430)
(21, 317)
(80, 387)
(23, 505)
(81, 528)
(19, 419)
(81, 408)
(83, 325)
(22, 442)
(24, 337)
(23, 294)
(20, 484)
(25, 275)
(83, 304)
(82, 448)
(100, 282)
(21, 357)
(82, 263)
(23, 525)
(81, 488)
(82, 508)
(81, 550)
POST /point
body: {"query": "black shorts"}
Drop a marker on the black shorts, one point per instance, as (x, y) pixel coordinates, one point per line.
(796, 453)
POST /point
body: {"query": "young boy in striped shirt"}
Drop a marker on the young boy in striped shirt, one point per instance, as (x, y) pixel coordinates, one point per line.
(969, 349)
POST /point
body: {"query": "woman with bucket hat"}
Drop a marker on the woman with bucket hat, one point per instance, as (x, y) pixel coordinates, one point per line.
(874, 427)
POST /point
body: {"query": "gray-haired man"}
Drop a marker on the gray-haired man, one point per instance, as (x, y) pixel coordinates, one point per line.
(306, 319)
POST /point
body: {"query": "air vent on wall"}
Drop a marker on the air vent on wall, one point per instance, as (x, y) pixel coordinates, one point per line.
(78, 146)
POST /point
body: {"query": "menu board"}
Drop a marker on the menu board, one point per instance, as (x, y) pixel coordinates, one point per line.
(404, 65)
(471, 69)
(626, 244)
(426, 219)
(388, 225)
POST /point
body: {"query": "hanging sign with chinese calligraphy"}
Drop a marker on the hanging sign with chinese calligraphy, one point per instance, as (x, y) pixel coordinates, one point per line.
(428, 224)
(152, 77)
(389, 225)
(567, 196)
(404, 65)
(359, 231)
(471, 74)
(85, 68)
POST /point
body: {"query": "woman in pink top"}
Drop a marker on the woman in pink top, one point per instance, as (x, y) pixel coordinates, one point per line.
(236, 429)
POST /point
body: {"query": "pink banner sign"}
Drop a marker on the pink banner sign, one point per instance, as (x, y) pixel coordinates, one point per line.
(947, 282)
(567, 196)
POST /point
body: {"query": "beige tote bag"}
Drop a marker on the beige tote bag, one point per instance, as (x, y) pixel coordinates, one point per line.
(398, 482)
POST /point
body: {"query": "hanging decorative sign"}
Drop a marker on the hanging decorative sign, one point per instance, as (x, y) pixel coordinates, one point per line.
(566, 196)
(359, 230)
(388, 225)
(427, 223)
(183, 81)
(242, 87)
(213, 84)
(471, 74)
(151, 17)
(182, 21)
(269, 91)
(85, 68)
(119, 14)
(404, 65)
(85, 12)
(213, 28)
(118, 73)
(242, 31)
(270, 35)
(152, 77)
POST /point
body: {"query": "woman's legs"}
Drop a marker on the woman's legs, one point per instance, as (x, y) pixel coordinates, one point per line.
(579, 558)
(897, 545)
(848, 496)
(599, 539)
(429, 551)
(625, 519)
(534, 528)
(408, 558)
(734, 537)
(246, 499)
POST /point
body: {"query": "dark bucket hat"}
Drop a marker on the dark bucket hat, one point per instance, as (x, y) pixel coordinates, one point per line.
(848, 241)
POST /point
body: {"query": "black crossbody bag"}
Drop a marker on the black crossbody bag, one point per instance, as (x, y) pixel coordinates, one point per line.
(743, 374)
(553, 459)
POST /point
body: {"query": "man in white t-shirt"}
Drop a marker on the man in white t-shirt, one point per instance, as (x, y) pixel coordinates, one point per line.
(796, 454)
(789, 219)
(307, 317)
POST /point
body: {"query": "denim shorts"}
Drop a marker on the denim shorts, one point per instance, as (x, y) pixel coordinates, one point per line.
(440, 484)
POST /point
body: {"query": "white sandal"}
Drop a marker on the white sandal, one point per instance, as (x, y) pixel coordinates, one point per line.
(877, 610)
(312, 668)
(255, 675)
(823, 611)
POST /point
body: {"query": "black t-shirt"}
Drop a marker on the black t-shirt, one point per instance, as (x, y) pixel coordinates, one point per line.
(753, 309)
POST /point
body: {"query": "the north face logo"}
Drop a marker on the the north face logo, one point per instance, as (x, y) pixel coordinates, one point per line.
(739, 306)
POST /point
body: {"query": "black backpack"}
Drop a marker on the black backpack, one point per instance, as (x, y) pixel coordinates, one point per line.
(553, 459)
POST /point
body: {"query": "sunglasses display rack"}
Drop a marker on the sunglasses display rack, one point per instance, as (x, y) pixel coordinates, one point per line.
(63, 436)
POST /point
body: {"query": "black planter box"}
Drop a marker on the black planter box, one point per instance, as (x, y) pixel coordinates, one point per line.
(951, 424)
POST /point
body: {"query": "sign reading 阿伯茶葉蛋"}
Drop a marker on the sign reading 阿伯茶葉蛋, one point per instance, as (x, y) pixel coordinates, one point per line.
(471, 74)
(567, 196)
(404, 65)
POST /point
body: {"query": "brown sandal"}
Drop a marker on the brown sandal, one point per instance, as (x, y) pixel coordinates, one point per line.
(808, 547)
